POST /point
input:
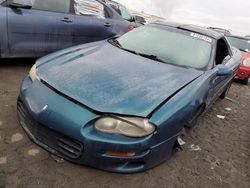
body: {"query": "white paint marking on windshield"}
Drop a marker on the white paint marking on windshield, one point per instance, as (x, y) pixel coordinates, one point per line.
(202, 37)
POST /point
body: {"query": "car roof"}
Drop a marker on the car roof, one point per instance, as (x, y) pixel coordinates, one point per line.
(221, 30)
(239, 37)
(194, 28)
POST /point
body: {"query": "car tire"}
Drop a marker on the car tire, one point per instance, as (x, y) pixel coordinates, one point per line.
(225, 92)
(191, 123)
(245, 81)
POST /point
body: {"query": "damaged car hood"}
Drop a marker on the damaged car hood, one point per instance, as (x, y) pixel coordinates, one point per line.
(110, 80)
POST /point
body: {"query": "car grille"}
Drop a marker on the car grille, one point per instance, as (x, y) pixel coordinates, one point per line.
(66, 147)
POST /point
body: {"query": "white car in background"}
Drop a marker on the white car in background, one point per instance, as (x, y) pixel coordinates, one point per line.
(140, 19)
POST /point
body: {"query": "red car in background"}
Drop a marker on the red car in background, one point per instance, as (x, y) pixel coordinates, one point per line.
(243, 43)
(244, 70)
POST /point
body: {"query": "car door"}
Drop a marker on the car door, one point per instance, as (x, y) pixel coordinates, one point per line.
(223, 56)
(93, 21)
(46, 27)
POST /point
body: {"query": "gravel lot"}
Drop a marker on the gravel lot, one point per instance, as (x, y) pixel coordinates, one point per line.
(216, 153)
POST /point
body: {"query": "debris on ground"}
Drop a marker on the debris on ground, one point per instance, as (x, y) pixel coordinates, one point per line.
(194, 147)
(232, 100)
(181, 142)
(214, 162)
(33, 152)
(16, 137)
(3, 160)
(57, 159)
(228, 109)
(221, 117)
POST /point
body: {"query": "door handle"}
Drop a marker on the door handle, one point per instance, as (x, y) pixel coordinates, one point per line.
(66, 20)
(107, 24)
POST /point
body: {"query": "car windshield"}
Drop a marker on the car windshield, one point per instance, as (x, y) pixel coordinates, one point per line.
(171, 46)
(243, 44)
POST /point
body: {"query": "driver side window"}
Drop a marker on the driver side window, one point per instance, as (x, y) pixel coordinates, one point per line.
(221, 51)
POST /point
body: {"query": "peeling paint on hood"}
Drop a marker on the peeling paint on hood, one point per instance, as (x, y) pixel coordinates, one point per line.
(110, 80)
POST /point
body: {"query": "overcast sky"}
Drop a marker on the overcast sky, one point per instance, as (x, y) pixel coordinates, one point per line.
(230, 14)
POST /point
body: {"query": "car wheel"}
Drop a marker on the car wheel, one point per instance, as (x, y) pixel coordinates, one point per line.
(245, 81)
(196, 116)
(225, 92)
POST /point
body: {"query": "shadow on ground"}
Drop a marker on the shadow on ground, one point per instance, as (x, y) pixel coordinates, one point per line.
(17, 62)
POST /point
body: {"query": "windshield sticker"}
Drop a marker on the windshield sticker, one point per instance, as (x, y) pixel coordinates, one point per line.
(202, 37)
(248, 41)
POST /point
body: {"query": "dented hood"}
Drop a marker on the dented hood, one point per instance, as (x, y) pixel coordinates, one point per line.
(110, 80)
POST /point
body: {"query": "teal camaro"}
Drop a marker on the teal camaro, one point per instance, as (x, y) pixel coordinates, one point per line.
(120, 104)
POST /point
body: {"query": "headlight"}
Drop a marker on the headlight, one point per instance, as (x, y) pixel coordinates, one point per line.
(32, 73)
(127, 126)
(246, 62)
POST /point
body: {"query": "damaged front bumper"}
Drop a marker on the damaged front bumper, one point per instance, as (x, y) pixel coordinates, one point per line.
(66, 129)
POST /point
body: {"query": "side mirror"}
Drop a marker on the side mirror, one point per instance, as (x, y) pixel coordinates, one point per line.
(226, 59)
(27, 4)
(223, 70)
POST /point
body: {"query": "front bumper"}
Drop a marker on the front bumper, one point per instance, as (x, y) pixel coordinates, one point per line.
(243, 73)
(66, 129)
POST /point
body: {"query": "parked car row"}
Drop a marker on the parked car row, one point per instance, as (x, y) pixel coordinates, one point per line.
(35, 29)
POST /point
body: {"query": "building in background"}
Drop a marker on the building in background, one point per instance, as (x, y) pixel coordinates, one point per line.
(148, 17)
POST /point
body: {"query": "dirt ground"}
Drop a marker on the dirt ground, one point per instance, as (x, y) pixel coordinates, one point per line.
(216, 153)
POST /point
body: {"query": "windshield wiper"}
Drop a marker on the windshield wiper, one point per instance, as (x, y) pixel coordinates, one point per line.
(244, 50)
(156, 58)
(115, 43)
(153, 57)
(131, 51)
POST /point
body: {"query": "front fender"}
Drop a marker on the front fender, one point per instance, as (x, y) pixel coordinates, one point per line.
(173, 115)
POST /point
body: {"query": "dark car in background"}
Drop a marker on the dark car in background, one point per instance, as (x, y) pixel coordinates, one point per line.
(36, 28)
(242, 43)
(124, 13)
